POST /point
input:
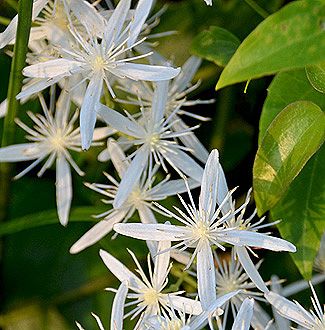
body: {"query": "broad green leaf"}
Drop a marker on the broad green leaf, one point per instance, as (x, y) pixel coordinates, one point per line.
(302, 211)
(291, 38)
(82, 214)
(316, 76)
(216, 45)
(292, 138)
(287, 87)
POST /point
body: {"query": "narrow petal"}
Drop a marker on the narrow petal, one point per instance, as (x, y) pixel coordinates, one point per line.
(118, 307)
(119, 122)
(162, 262)
(63, 189)
(21, 152)
(88, 110)
(250, 268)
(158, 232)
(140, 15)
(183, 162)
(244, 316)
(132, 176)
(3, 108)
(116, 22)
(98, 231)
(101, 133)
(118, 157)
(189, 306)
(145, 72)
(52, 68)
(290, 310)
(119, 270)
(206, 278)
(249, 238)
(159, 101)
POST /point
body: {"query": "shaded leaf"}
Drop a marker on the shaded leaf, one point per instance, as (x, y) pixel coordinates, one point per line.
(316, 76)
(303, 212)
(216, 45)
(279, 96)
(273, 46)
(292, 138)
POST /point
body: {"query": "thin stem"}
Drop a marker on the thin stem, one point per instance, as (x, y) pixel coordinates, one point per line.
(15, 84)
(4, 20)
(262, 12)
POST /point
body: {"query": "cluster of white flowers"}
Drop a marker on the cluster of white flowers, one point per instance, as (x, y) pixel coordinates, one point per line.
(85, 53)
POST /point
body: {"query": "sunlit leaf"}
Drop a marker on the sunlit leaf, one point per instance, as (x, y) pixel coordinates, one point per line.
(216, 45)
(292, 138)
(303, 212)
(291, 38)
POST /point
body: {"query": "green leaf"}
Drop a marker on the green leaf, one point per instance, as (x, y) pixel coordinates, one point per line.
(291, 38)
(287, 87)
(316, 76)
(216, 45)
(292, 138)
(78, 214)
(303, 212)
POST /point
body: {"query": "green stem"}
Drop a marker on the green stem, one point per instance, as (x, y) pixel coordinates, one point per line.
(15, 84)
(13, 4)
(262, 12)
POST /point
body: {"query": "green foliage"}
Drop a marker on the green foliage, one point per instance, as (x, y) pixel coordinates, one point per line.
(316, 76)
(291, 38)
(303, 212)
(291, 139)
(216, 45)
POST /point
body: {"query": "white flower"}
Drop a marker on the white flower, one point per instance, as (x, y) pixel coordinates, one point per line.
(139, 200)
(313, 319)
(152, 132)
(98, 62)
(52, 137)
(148, 296)
(204, 228)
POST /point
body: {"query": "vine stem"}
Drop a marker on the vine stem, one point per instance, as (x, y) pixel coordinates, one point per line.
(15, 84)
(262, 12)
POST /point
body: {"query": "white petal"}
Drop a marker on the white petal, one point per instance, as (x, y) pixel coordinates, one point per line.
(162, 262)
(244, 316)
(250, 268)
(98, 231)
(52, 68)
(102, 133)
(3, 108)
(104, 156)
(88, 110)
(140, 15)
(118, 157)
(248, 238)
(9, 34)
(119, 270)
(132, 176)
(21, 152)
(261, 319)
(118, 307)
(290, 310)
(180, 160)
(158, 232)
(63, 189)
(206, 278)
(145, 72)
(119, 122)
(189, 306)
(159, 101)
(116, 22)
(183, 80)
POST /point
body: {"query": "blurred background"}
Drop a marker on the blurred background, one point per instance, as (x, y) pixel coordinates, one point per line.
(43, 286)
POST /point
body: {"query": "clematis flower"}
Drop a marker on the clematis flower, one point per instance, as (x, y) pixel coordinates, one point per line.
(139, 200)
(52, 137)
(98, 62)
(313, 319)
(156, 141)
(204, 228)
(148, 293)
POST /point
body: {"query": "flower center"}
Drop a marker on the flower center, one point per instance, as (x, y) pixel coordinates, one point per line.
(174, 324)
(135, 197)
(201, 230)
(150, 297)
(153, 140)
(227, 285)
(99, 63)
(58, 141)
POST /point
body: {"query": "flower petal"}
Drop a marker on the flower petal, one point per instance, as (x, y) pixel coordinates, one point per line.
(117, 155)
(159, 101)
(102, 133)
(21, 152)
(162, 262)
(63, 189)
(88, 110)
(189, 306)
(244, 316)
(118, 307)
(98, 231)
(3, 108)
